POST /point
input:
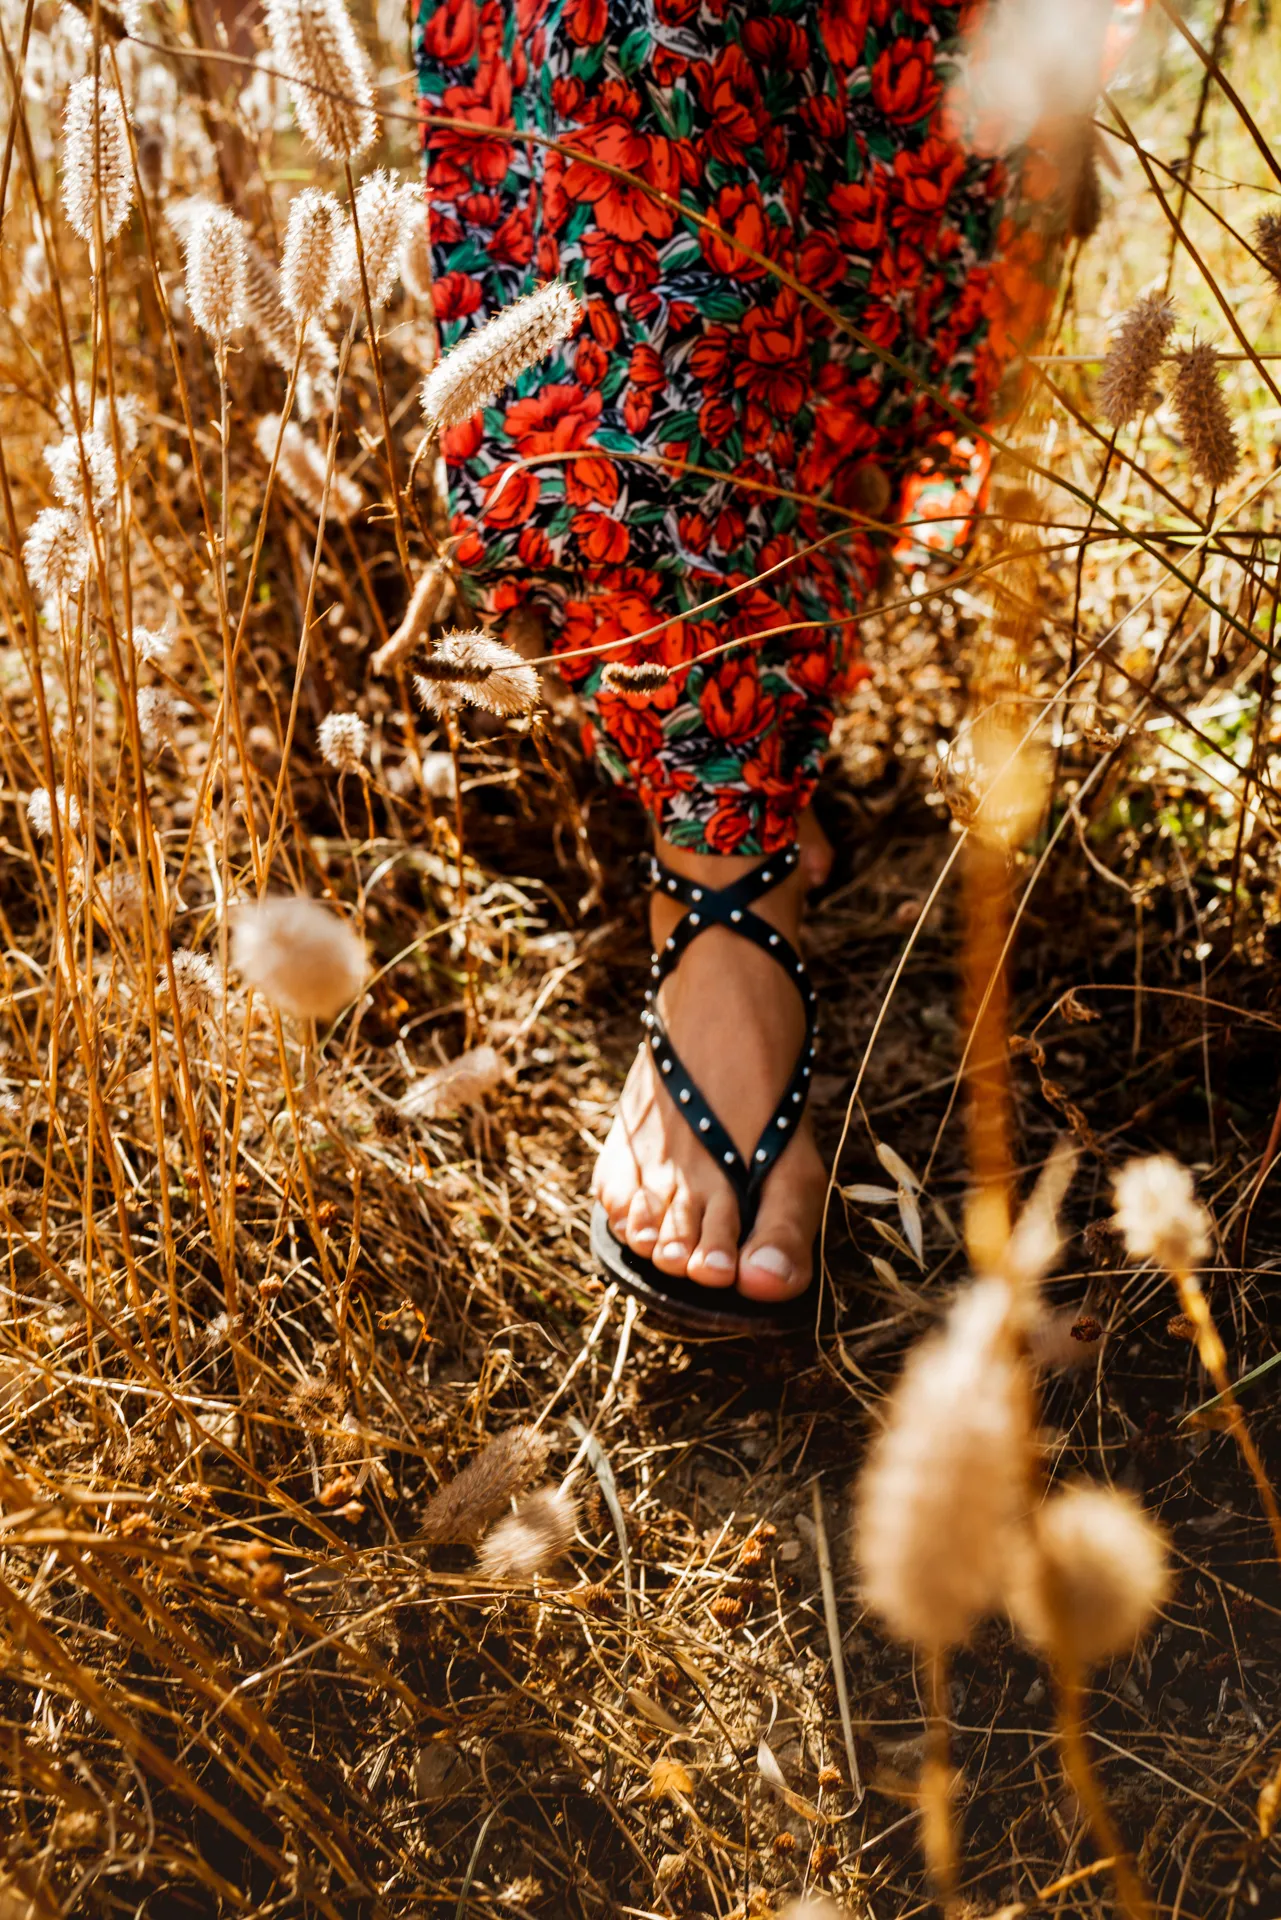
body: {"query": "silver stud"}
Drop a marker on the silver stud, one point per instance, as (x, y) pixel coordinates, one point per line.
(703, 1125)
(671, 886)
(653, 1040)
(736, 916)
(684, 1096)
(767, 876)
(671, 941)
(697, 894)
(729, 1159)
(760, 1153)
(695, 919)
(773, 939)
(782, 1123)
(653, 973)
(796, 1099)
(667, 1066)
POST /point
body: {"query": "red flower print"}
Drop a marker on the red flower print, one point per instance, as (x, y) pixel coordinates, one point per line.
(481, 209)
(528, 15)
(511, 494)
(903, 82)
(775, 370)
(732, 701)
(469, 549)
(625, 267)
(841, 433)
(645, 368)
(625, 211)
(534, 549)
(669, 67)
(513, 242)
(732, 822)
(584, 21)
(548, 257)
(591, 363)
(602, 540)
(603, 320)
(843, 25)
(924, 179)
(450, 34)
(716, 421)
(824, 116)
(694, 531)
(461, 442)
(739, 213)
(732, 98)
(710, 360)
(632, 726)
(820, 263)
(775, 43)
(455, 295)
(858, 208)
(675, 13)
(638, 407)
(487, 104)
(552, 420)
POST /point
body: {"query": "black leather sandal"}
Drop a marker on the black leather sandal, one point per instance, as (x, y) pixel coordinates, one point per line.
(719, 1309)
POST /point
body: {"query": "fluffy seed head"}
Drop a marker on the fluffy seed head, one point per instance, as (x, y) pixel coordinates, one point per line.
(474, 1498)
(1158, 1214)
(644, 677)
(1202, 413)
(533, 1538)
(384, 208)
(274, 325)
(149, 645)
(415, 255)
(314, 44)
(67, 470)
(40, 806)
(1096, 1563)
(216, 273)
(1128, 373)
(1029, 63)
(486, 360)
(459, 1083)
(311, 261)
(946, 1477)
(198, 983)
(110, 180)
(302, 468)
(299, 956)
(118, 893)
(343, 738)
(56, 554)
(472, 666)
(1267, 243)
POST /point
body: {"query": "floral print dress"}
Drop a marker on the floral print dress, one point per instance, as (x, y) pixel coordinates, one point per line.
(708, 421)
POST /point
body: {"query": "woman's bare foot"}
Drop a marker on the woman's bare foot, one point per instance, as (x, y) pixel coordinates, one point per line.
(738, 1024)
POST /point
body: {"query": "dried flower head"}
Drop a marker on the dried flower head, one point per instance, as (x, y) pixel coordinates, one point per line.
(1028, 63)
(1267, 243)
(458, 1084)
(118, 893)
(1130, 369)
(275, 326)
(343, 738)
(302, 468)
(300, 956)
(314, 44)
(67, 469)
(946, 1477)
(310, 266)
(384, 208)
(1202, 414)
(197, 982)
(96, 164)
(1158, 1214)
(157, 717)
(486, 360)
(644, 677)
(431, 591)
(40, 806)
(1095, 1568)
(216, 273)
(474, 1498)
(474, 667)
(533, 1538)
(56, 554)
(149, 645)
(415, 255)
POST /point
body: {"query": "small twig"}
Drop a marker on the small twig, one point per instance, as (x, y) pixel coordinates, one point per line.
(833, 1620)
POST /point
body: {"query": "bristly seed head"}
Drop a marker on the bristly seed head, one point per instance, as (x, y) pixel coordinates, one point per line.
(489, 358)
(484, 671)
(1090, 1577)
(1158, 1214)
(310, 266)
(40, 806)
(1203, 417)
(300, 956)
(302, 468)
(56, 554)
(533, 1538)
(415, 255)
(149, 645)
(216, 273)
(644, 677)
(1267, 243)
(198, 983)
(343, 738)
(110, 184)
(314, 44)
(463, 1509)
(384, 208)
(1128, 372)
(67, 470)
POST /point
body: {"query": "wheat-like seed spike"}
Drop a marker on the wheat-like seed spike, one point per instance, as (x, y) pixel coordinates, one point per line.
(56, 553)
(274, 325)
(40, 807)
(1267, 243)
(216, 273)
(302, 468)
(415, 256)
(643, 677)
(431, 590)
(1128, 372)
(1093, 1572)
(533, 1538)
(314, 45)
(486, 672)
(1158, 1214)
(67, 470)
(1202, 414)
(384, 208)
(310, 265)
(343, 738)
(474, 1498)
(113, 185)
(157, 717)
(198, 982)
(459, 1083)
(489, 358)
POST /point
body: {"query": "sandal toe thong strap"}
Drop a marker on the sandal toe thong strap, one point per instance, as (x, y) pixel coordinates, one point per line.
(731, 907)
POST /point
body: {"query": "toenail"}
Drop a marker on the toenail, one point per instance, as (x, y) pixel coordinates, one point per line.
(719, 1262)
(645, 1233)
(673, 1250)
(772, 1260)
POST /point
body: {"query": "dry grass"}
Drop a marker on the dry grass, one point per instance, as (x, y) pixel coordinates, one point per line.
(271, 1286)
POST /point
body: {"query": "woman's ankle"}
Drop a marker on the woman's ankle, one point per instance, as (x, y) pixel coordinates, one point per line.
(709, 869)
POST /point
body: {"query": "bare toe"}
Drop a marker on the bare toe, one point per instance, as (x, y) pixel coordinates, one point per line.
(714, 1260)
(643, 1217)
(778, 1258)
(678, 1235)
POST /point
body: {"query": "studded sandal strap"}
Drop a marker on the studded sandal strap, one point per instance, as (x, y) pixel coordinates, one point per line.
(730, 907)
